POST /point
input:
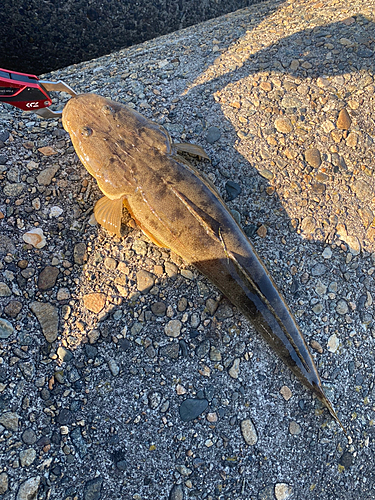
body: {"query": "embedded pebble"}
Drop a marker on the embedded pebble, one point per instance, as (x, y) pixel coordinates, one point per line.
(3, 483)
(313, 158)
(283, 125)
(94, 302)
(6, 328)
(45, 177)
(235, 368)
(27, 457)
(9, 420)
(342, 307)
(35, 237)
(79, 253)
(47, 278)
(192, 408)
(176, 493)
(5, 291)
(114, 367)
(343, 121)
(333, 343)
(48, 317)
(28, 489)
(173, 328)
(145, 281)
(213, 134)
(286, 392)
(294, 428)
(249, 432)
(283, 491)
(93, 489)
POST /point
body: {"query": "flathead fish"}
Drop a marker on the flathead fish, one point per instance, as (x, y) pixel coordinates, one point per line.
(136, 164)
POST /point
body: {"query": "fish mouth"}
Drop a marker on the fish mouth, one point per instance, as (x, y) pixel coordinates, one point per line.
(327, 403)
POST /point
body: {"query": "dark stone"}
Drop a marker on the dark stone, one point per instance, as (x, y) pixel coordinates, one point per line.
(170, 350)
(93, 489)
(158, 308)
(346, 460)
(365, 53)
(29, 436)
(13, 308)
(65, 417)
(192, 408)
(266, 493)
(203, 349)
(47, 278)
(213, 134)
(91, 351)
(4, 135)
(177, 492)
(124, 344)
(43, 441)
(233, 190)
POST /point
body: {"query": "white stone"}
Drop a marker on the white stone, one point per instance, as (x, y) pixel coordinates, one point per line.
(35, 237)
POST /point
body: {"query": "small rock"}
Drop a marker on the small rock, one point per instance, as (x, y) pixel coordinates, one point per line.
(28, 436)
(262, 231)
(64, 354)
(110, 263)
(47, 278)
(94, 302)
(192, 408)
(213, 134)
(170, 350)
(28, 490)
(92, 489)
(48, 317)
(342, 307)
(233, 190)
(343, 120)
(35, 237)
(9, 420)
(158, 308)
(145, 281)
(114, 367)
(177, 492)
(313, 158)
(327, 253)
(333, 343)
(249, 432)
(286, 392)
(63, 294)
(308, 225)
(346, 460)
(215, 354)
(283, 491)
(283, 125)
(235, 368)
(212, 417)
(55, 212)
(3, 483)
(180, 389)
(27, 457)
(6, 328)
(5, 291)
(316, 346)
(45, 177)
(294, 428)
(173, 328)
(352, 140)
(318, 270)
(79, 254)
(12, 309)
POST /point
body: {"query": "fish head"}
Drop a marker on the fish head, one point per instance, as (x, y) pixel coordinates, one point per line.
(112, 141)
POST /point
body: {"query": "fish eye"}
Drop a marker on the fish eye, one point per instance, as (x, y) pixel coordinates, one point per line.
(86, 131)
(107, 110)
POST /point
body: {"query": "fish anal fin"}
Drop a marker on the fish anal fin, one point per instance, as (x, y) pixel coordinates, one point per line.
(193, 149)
(108, 214)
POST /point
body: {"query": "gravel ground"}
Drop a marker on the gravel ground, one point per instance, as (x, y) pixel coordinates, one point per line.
(124, 374)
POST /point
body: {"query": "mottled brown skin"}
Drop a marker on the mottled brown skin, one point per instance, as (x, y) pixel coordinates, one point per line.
(135, 163)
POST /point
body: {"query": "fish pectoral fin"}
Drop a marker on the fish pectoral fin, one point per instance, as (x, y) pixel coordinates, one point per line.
(193, 149)
(108, 213)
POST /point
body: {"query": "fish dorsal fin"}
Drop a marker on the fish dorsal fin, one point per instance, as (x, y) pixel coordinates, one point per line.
(108, 214)
(193, 149)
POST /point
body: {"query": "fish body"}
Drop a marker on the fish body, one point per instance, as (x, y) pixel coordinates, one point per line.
(136, 165)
